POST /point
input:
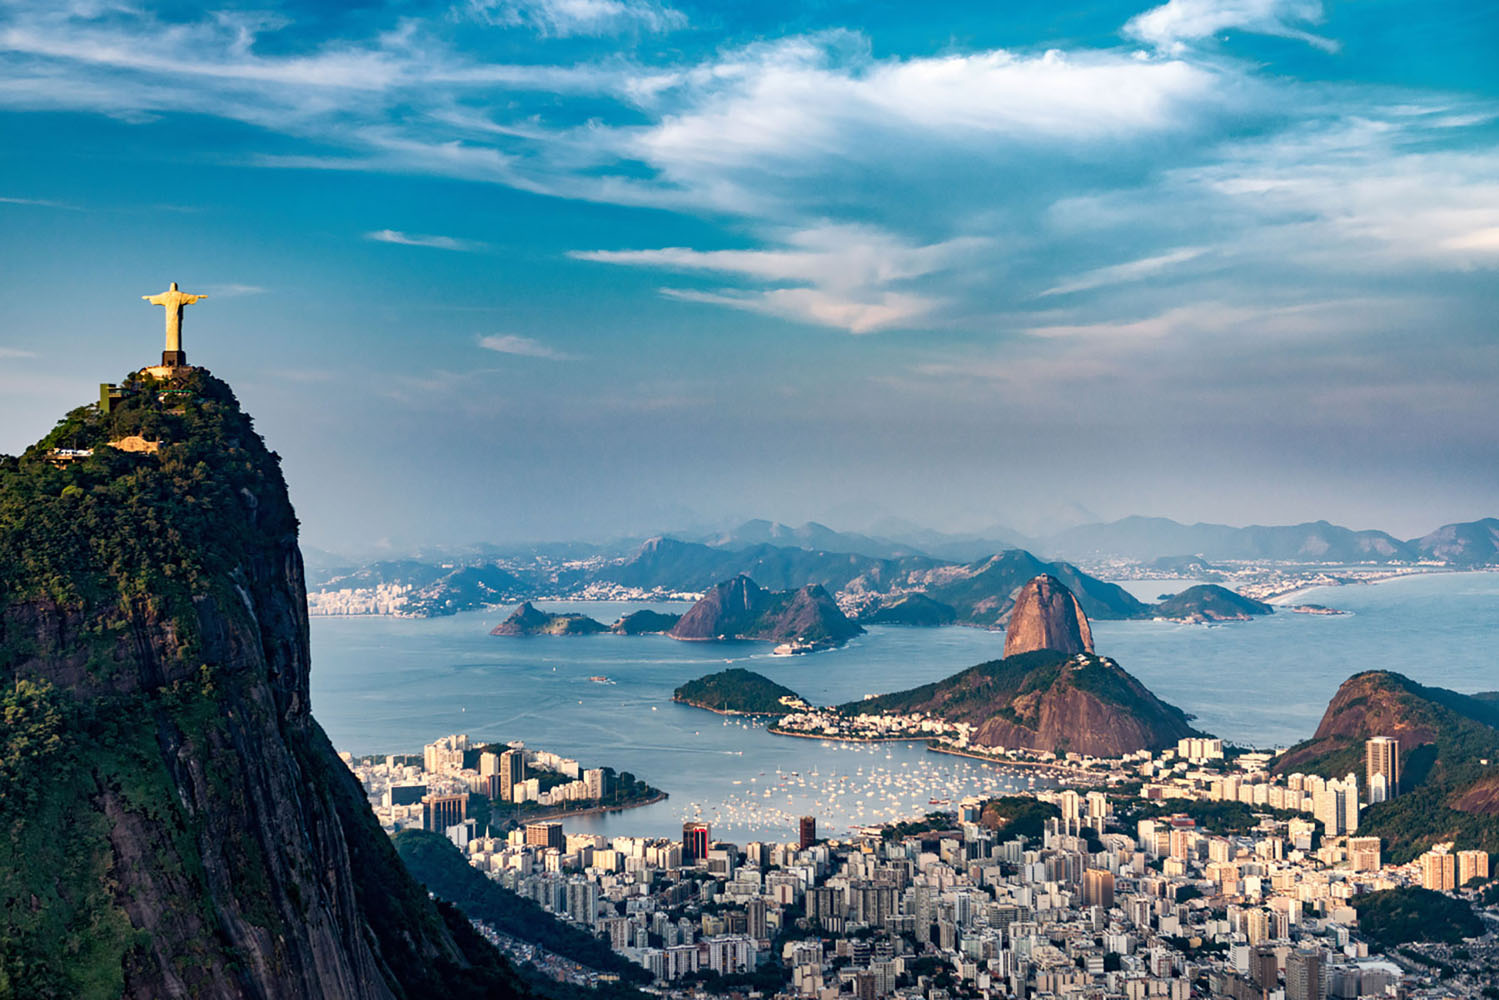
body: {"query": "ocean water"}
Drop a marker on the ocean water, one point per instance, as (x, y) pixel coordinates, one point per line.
(388, 685)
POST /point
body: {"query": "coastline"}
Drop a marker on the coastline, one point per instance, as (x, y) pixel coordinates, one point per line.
(590, 811)
(1036, 764)
(1290, 597)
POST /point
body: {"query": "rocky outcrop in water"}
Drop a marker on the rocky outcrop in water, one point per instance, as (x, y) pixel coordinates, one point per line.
(1047, 616)
(527, 620)
(739, 609)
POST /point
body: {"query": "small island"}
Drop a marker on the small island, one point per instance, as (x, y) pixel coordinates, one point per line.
(1314, 609)
(645, 622)
(1209, 602)
(737, 691)
(801, 621)
(528, 620)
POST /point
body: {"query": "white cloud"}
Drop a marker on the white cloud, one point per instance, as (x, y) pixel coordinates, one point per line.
(1173, 24)
(231, 290)
(564, 18)
(423, 240)
(508, 343)
(848, 277)
(1134, 270)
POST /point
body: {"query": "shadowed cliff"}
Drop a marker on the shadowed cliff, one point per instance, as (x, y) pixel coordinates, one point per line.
(177, 823)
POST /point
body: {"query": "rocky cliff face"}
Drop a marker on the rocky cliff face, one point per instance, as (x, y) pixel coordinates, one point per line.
(740, 609)
(177, 820)
(1047, 616)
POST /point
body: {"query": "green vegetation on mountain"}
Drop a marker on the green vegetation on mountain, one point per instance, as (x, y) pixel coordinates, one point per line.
(645, 622)
(1018, 816)
(1446, 792)
(528, 620)
(739, 691)
(1044, 700)
(1224, 818)
(1209, 602)
(1401, 916)
(175, 821)
(910, 609)
(433, 860)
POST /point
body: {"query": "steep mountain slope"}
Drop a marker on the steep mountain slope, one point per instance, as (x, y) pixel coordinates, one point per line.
(1048, 701)
(1446, 792)
(1047, 616)
(177, 824)
(740, 609)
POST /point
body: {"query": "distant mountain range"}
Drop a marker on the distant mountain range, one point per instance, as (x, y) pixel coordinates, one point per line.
(868, 574)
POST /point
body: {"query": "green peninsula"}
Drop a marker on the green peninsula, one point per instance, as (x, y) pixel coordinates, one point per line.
(739, 692)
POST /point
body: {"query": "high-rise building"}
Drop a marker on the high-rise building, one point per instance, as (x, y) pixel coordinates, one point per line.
(489, 763)
(544, 835)
(512, 766)
(695, 840)
(1438, 871)
(807, 831)
(442, 811)
(1098, 887)
(1264, 968)
(1382, 757)
(1363, 853)
(755, 922)
(1472, 864)
(1306, 976)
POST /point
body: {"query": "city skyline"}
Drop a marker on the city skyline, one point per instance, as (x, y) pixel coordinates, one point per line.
(610, 269)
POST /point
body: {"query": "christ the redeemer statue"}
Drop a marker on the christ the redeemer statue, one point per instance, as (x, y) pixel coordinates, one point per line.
(173, 301)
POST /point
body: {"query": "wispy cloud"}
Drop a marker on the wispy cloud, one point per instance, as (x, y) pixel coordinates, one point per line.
(424, 240)
(1134, 270)
(564, 18)
(1172, 25)
(509, 343)
(38, 203)
(849, 277)
(15, 352)
(231, 290)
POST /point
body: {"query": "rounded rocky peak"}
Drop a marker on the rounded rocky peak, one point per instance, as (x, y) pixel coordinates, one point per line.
(1046, 615)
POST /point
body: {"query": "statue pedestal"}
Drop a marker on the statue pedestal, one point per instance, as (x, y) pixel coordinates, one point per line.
(173, 359)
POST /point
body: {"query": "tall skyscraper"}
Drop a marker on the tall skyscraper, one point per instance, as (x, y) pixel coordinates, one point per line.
(1098, 887)
(807, 830)
(512, 773)
(1382, 756)
(1306, 976)
(695, 840)
(1264, 968)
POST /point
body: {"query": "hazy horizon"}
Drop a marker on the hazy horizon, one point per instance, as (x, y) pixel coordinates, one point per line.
(523, 270)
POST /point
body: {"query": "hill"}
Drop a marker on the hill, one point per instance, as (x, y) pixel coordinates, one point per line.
(645, 622)
(983, 593)
(1045, 700)
(528, 620)
(741, 609)
(1446, 793)
(909, 609)
(672, 565)
(811, 535)
(740, 692)
(1472, 543)
(176, 821)
(1147, 538)
(1209, 602)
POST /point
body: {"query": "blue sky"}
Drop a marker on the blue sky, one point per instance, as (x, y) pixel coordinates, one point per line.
(512, 269)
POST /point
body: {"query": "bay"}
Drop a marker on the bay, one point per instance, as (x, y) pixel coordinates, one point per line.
(389, 685)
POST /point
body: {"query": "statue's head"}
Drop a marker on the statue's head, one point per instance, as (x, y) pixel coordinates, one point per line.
(173, 288)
